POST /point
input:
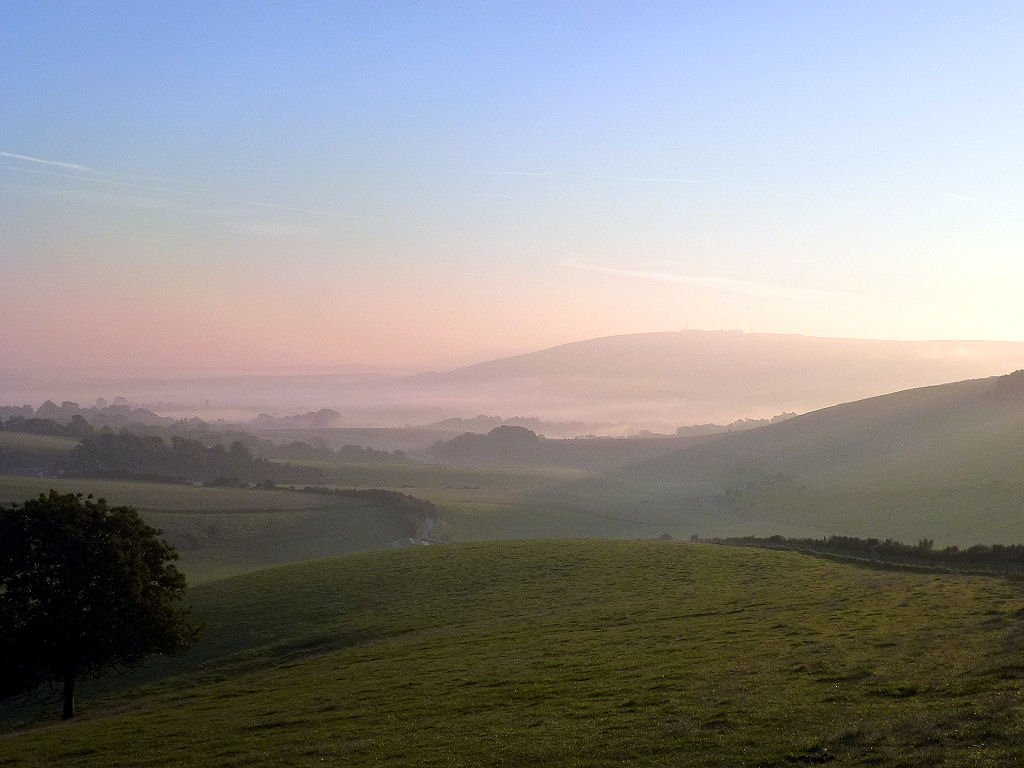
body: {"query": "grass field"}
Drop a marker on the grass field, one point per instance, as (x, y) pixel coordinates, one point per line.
(160, 497)
(499, 481)
(33, 454)
(222, 532)
(959, 515)
(36, 444)
(571, 654)
(487, 503)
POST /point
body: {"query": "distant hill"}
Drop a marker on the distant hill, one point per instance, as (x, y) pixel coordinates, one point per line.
(667, 380)
(612, 386)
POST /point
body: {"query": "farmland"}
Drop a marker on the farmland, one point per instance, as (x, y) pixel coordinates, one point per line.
(221, 532)
(570, 653)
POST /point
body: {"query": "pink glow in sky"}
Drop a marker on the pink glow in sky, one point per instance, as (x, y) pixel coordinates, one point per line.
(404, 187)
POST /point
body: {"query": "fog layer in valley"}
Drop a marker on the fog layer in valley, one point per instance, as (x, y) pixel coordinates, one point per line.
(610, 385)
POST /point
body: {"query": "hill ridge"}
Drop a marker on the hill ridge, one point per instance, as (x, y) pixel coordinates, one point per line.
(673, 378)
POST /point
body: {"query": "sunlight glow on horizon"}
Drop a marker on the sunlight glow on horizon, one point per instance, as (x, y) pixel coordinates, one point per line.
(399, 188)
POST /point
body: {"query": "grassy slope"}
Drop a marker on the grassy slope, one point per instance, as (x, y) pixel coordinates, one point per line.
(574, 654)
(476, 503)
(35, 444)
(32, 454)
(486, 503)
(939, 462)
(157, 497)
(225, 531)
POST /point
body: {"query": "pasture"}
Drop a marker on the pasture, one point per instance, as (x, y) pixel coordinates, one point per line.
(221, 532)
(35, 444)
(487, 503)
(570, 654)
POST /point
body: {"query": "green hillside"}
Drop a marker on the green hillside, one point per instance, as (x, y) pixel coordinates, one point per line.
(570, 654)
(19, 442)
(222, 532)
(24, 453)
(953, 432)
(485, 503)
(944, 462)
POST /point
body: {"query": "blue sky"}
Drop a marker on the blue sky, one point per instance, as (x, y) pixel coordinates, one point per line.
(405, 185)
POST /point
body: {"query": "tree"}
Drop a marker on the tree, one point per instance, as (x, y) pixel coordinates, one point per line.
(83, 587)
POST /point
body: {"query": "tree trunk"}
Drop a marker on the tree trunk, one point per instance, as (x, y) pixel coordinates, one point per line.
(69, 696)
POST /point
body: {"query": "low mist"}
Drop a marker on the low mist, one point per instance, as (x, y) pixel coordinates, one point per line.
(615, 385)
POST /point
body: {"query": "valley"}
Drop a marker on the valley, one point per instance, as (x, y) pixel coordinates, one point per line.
(563, 600)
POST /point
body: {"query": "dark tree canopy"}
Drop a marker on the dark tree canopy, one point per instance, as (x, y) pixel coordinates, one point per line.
(83, 586)
(130, 455)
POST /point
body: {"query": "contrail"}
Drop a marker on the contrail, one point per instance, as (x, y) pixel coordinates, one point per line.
(134, 185)
(57, 163)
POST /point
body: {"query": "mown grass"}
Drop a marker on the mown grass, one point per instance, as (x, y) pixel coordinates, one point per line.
(573, 654)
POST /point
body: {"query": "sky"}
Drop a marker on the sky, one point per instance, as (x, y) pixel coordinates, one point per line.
(347, 186)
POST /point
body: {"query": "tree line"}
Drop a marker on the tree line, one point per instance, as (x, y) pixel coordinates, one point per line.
(192, 431)
(988, 559)
(130, 456)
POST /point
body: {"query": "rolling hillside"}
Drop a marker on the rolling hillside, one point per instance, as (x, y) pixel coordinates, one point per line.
(943, 462)
(22, 453)
(221, 532)
(569, 654)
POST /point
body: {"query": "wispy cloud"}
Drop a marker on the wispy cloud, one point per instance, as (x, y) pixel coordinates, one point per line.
(94, 176)
(654, 179)
(513, 173)
(40, 161)
(277, 207)
(955, 196)
(767, 290)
